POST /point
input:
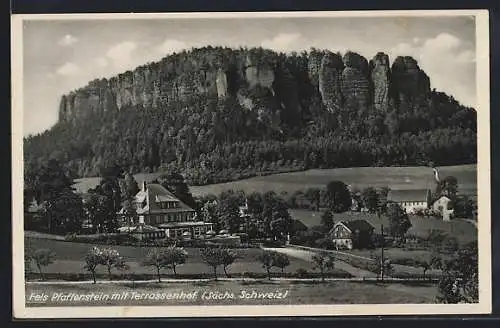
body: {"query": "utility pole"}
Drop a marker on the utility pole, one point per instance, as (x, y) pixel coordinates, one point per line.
(382, 263)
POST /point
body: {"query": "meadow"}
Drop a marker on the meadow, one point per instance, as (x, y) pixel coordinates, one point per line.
(70, 256)
(415, 178)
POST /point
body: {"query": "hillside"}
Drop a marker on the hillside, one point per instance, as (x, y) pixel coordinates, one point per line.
(219, 114)
(397, 178)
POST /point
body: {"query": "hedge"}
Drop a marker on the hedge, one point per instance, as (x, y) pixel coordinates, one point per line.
(131, 277)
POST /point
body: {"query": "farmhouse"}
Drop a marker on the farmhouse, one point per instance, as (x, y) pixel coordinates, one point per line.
(444, 206)
(352, 234)
(410, 200)
(157, 207)
(413, 201)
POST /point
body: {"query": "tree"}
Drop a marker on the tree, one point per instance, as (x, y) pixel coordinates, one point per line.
(42, 258)
(449, 187)
(255, 203)
(327, 220)
(280, 220)
(323, 262)
(129, 187)
(155, 259)
(281, 261)
(104, 202)
(460, 280)
(463, 207)
(399, 222)
(174, 256)
(92, 260)
(383, 195)
(228, 258)
(99, 211)
(65, 212)
(111, 175)
(214, 257)
(176, 184)
(228, 211)
(428, 198)
(274, 214)
(266, 258)
(170, 257)
(338, 196)
(313, 195)
(27, 260)
(47, 180)
(110, 258)
(370, 199)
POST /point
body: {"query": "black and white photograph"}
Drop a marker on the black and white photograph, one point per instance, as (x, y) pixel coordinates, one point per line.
(251, 164)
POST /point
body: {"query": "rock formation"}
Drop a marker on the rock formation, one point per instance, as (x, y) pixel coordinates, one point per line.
(314, 65)
(330, 81)
(380, 76)
(341, 82)
(222, 85)
(355, 84)
(258, 73)
(408, 80)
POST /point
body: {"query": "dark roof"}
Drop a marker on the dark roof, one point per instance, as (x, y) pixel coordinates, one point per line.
(155, 190)
(407, 195)
(361, 225)
(298, 225)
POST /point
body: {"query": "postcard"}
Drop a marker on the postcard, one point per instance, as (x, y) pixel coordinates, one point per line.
(251, 164)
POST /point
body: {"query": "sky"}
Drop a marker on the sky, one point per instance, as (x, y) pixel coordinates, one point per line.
(62, 55)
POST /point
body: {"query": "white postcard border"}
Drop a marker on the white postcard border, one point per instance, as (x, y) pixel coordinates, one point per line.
(483, 170)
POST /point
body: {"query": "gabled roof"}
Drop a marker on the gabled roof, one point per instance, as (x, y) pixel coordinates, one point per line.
(442, 196)
(361, 225)
(34, 207)
(407, 195)
(157, 193)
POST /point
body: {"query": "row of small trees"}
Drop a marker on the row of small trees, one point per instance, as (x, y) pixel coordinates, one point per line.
(171, 257)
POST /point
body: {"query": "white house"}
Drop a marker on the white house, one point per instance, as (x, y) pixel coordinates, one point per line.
(444, 206)
(410, 200)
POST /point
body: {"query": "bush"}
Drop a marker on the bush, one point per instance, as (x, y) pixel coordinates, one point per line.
(272, 243)
(301, 272)
(325, 243)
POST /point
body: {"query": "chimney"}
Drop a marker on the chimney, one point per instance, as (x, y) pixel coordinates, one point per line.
(144, 186)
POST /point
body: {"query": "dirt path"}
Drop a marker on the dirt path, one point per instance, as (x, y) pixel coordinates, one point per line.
(307, 256)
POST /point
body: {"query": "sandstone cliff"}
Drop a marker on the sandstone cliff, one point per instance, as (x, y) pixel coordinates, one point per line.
(330, 80)
(355, 84)
(408, 80)
(380, 76)
(348, 81)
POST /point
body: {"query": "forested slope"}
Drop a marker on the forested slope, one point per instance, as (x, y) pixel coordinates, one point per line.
(219, 114)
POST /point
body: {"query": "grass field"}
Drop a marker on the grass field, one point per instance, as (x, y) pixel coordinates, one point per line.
(70, 259)
(464, 231)
(416, 178)
(338, 292)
